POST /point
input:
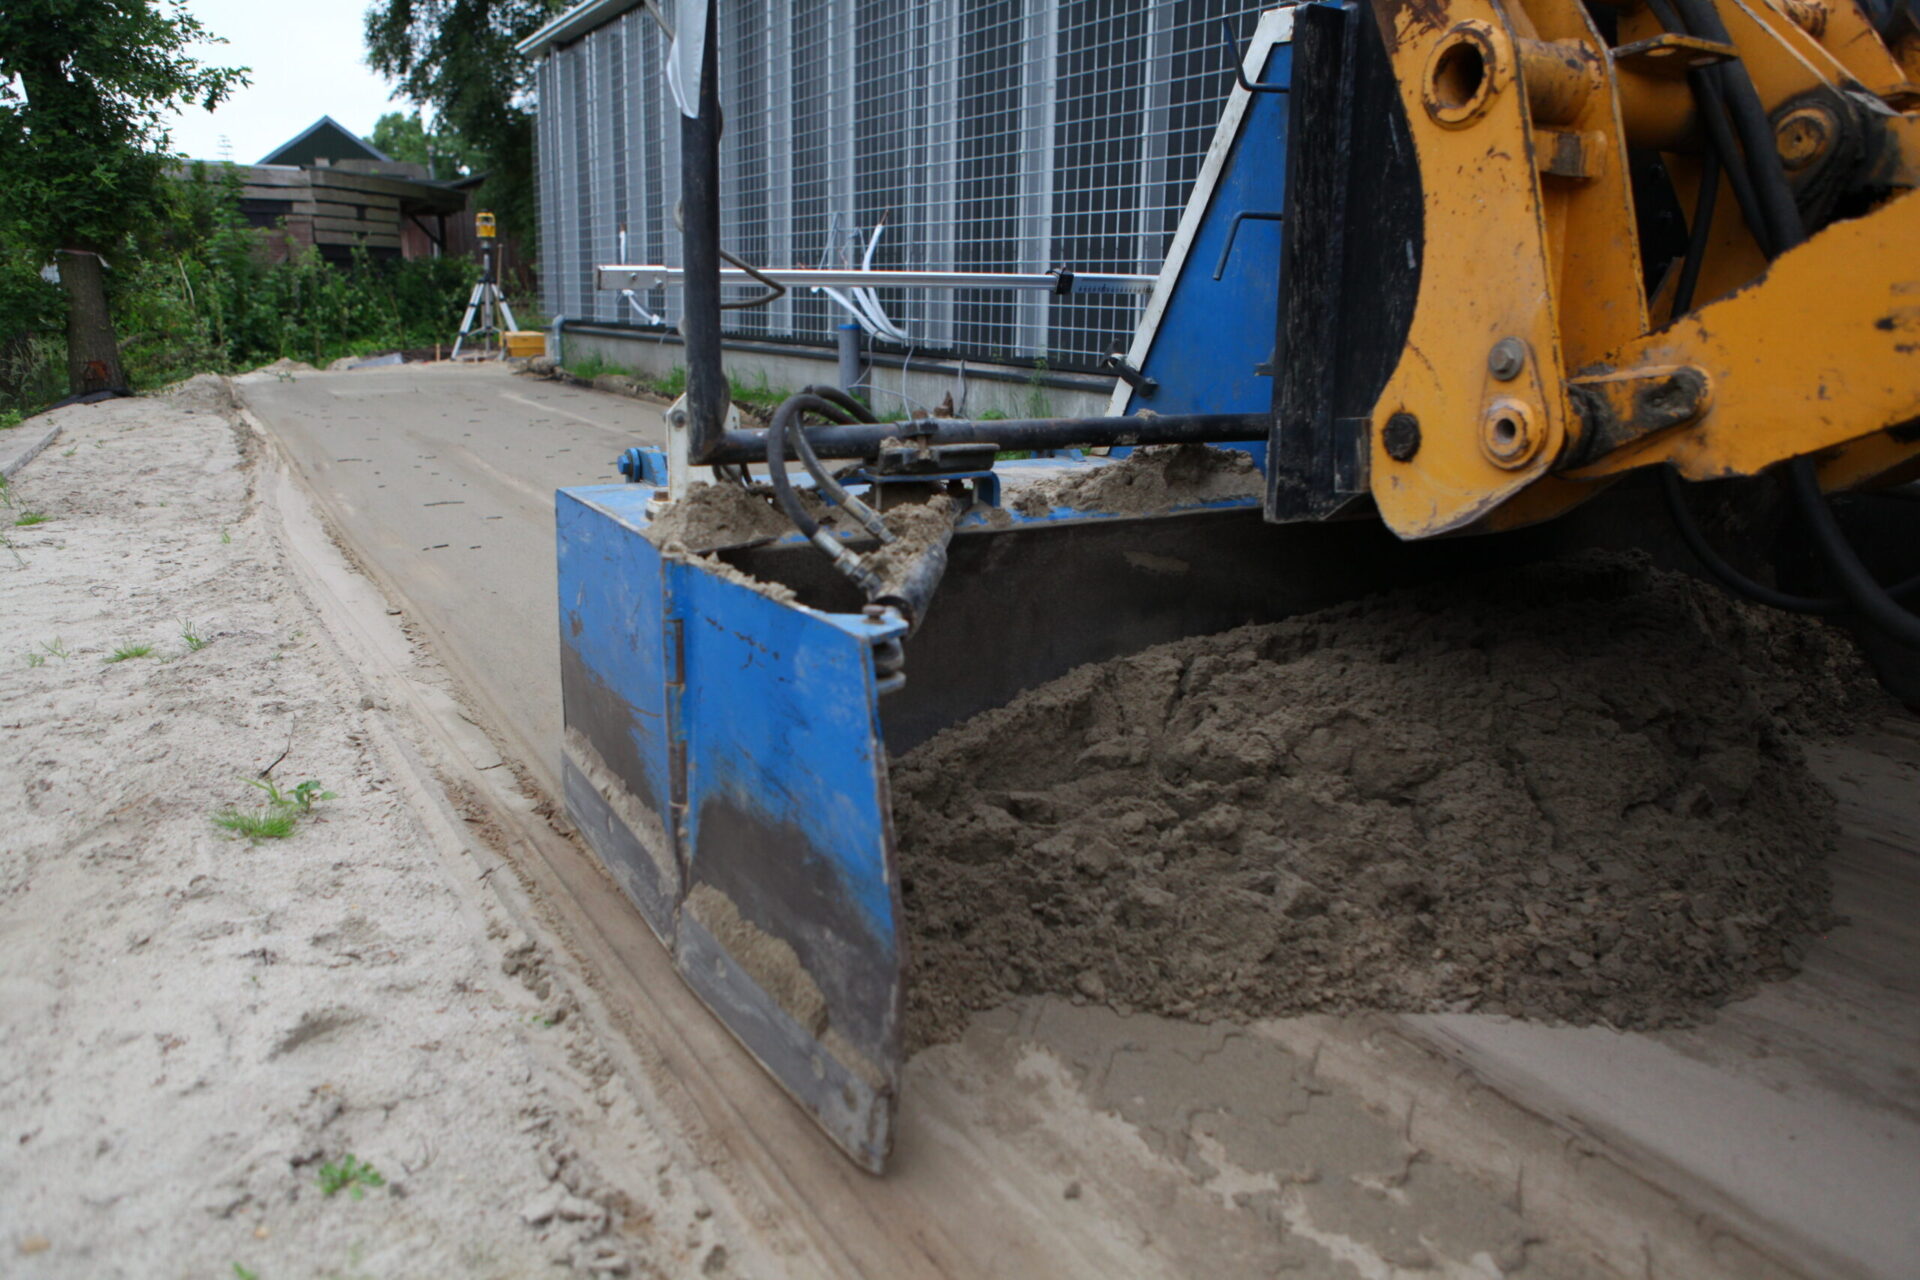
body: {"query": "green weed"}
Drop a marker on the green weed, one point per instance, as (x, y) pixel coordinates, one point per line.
(672, 384)
(225, 537)
(591, 366)
(757, 394)
(11, 418)
(242, 1273)
(302, 797)
(56, 648)
(36, 659)
(280, 815)
(27, 518)
(266, 824)
(1039, 403)
(127, 651)
(195, 642)
(350, 1174)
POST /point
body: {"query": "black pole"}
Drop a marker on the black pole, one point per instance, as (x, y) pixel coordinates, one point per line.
(707, 392)
(864, 440)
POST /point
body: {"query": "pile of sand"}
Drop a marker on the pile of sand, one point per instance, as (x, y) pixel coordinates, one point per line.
(1157, 478)
(713, 516)
(1567, 793)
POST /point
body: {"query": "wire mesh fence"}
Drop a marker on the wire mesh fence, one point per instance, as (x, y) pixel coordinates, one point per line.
(946, 135)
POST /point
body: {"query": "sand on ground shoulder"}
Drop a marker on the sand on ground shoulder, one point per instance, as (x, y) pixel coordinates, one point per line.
(195, 1027)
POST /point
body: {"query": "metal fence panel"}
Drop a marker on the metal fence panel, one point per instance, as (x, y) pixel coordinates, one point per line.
(984, 135)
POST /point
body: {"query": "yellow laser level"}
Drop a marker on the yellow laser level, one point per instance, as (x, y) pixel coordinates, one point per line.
(487, 300)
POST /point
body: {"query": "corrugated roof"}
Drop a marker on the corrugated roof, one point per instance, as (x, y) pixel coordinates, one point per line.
(574, 23)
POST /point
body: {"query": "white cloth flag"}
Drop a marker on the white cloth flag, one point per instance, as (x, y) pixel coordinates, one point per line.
(688, 55)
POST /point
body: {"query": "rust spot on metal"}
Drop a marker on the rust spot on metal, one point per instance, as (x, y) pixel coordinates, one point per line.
(1397, 16)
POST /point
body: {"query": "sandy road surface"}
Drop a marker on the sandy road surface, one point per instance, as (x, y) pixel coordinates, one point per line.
(1064, 1139)
(444, 476)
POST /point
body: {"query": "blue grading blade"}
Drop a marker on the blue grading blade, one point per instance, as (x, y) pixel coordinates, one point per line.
(723, 756)
(726, 750)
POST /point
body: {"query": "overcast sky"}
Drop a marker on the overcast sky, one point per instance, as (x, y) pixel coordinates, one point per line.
(307, 61)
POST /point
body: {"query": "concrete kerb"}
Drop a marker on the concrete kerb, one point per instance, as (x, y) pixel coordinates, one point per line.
(20, 445)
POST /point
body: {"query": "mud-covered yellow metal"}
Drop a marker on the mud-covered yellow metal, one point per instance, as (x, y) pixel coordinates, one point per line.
(1536, 365)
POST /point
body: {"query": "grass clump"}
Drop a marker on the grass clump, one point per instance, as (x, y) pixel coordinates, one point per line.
(126, 651)
(276, 819)
(757, 394)
(27, 519)
(670, 385)
(350, 1174)
(194, 641)
(591, 366)
(263, 824)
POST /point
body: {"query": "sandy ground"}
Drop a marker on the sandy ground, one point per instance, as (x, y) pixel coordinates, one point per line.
(197, 1028)
(194, 1027)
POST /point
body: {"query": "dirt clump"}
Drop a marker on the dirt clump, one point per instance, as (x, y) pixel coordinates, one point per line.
(917, 528)
(1567, 793)
(1155, 478)
(712, 516)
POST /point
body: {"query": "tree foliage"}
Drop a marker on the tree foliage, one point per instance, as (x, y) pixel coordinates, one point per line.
(406, 137)
(457, 56)
(85, 89)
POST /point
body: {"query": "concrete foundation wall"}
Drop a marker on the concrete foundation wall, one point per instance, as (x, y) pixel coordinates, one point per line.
(1016, 393)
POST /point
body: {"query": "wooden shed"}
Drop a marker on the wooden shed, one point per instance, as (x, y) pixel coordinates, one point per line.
(332, 189)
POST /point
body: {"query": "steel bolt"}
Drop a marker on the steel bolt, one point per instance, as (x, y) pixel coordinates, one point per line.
(1802, 136)
(1401, 437)
(1507, 359)
(875, 612)
(1507, 435)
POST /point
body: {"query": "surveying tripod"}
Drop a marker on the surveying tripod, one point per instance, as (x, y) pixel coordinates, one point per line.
(486, 293)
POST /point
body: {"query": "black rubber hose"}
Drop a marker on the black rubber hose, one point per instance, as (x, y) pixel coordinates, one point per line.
(1717, 565)
(1872, 600)
(850, 403)
(1734, 580)
(1750, 122)
(824, 481)
(1697, 241)
(777, 471)
(1720, 139)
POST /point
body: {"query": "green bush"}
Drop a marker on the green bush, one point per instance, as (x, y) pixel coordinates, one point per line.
(199, 290)
(33, 351)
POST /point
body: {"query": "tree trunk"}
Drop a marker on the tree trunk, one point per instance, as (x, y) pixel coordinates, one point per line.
(93, 353)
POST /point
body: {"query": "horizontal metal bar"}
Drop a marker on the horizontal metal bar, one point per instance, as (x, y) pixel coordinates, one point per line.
(864, 440)
(654, 276)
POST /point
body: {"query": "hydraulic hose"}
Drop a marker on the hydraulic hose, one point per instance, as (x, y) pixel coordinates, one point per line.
(1697, 241)
(850, 403)
(1869, 597)
(805, 402)
(786, 418)
(1717, 565)
(1720, 139)
(1734, 580)
(1766, 200)
(1750, 122)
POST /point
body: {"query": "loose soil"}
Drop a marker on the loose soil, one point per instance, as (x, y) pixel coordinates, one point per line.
(715, 516)
(1156, 478)
(195, 1026)
(1570, 793)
